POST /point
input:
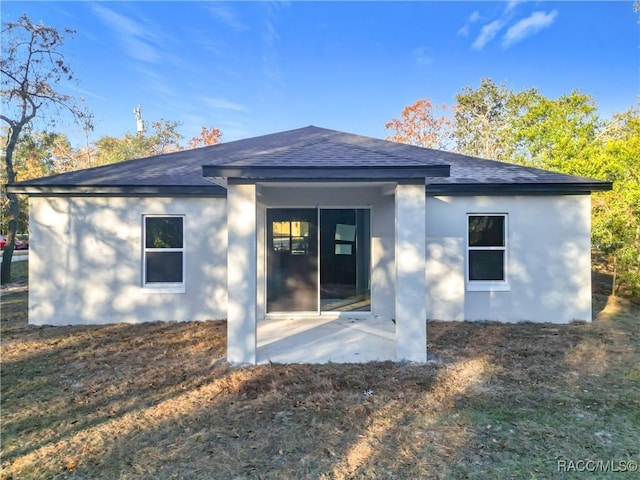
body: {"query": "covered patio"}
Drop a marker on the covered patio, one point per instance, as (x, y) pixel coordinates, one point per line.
(320, 229)
(323, 339)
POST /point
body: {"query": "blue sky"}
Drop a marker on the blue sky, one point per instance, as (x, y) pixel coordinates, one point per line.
(251, 68)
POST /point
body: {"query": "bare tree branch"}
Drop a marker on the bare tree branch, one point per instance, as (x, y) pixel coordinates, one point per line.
(32, 67)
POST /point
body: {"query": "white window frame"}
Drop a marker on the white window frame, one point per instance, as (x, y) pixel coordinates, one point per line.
(167, 287)
(488, 285)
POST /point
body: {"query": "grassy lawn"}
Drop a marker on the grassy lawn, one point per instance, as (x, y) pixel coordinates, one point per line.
(155, 401)
(19, 272)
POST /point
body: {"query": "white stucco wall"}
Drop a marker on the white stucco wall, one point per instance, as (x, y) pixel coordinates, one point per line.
(548, 259)
(85, 260)
(242, 274)
(411, 325)
(86, 256)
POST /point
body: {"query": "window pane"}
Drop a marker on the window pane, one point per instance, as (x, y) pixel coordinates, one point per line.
(486, 265)
(486, 231)
(163, 232)
(281, 244)
(165, 267)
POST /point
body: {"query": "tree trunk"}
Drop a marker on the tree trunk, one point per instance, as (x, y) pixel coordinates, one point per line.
(7, 256)
(614, 283)
(14, 205)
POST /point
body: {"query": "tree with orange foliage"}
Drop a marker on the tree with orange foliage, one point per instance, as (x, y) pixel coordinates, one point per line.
(211, 136)
(418, 125)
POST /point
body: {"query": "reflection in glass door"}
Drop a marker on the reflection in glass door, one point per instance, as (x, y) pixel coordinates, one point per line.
(345, 260)
(292, 260)
(304, 278)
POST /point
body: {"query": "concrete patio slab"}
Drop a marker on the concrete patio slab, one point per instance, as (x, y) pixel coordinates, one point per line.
(321, 339)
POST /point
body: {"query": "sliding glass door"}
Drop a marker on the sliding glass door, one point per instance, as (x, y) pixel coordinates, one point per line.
(292, 260)
(311, 269)
(345, 260)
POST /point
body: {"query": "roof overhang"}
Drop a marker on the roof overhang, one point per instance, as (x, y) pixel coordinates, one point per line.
(121, 191)
(567, 188)
(251, 174)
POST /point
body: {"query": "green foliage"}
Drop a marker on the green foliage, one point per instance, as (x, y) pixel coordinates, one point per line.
(129, 146)
(616, 219)
(483, 118)
(163, 138)
(556, 134)
(32, 157)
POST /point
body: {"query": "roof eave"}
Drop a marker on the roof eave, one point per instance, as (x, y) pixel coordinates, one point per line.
(121, 190)
(570, 188)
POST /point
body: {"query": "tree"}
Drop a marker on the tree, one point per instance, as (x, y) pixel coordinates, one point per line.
(483, 119)
(556, 134)
(114, 149)
(32, 69)
(33, 157)
(418, 125)
(616, 218)
(164, 138)
(211, 136)
(64, 158)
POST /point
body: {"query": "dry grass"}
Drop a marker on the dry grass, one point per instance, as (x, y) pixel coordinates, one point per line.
(155, 401)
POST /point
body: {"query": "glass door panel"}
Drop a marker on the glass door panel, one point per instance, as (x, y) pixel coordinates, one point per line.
(345, 260)
(292, 260)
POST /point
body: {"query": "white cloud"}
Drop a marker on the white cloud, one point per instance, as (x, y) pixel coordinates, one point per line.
(86, 93)
(422, 57)
(271, 39)
(222, 104)
(225, 15)
(528, 26)
(512, 4)
(473, 18)
(153, 81)
(134, 36)
(488, 32)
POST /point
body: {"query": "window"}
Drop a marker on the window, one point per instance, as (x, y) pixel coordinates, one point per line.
(487, 252)
(291, 236)
(163, 265)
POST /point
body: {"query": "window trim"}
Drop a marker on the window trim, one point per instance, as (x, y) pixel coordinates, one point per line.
(163, 287)
(488, 285)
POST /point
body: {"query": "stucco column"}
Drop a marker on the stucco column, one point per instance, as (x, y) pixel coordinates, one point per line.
(411, 300)
(241, 274)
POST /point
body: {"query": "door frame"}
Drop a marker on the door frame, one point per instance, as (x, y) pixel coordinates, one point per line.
(318, 311)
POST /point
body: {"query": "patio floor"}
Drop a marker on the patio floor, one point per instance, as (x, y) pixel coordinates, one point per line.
(321, 339)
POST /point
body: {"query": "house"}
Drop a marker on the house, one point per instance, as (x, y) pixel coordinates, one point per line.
(310, 222)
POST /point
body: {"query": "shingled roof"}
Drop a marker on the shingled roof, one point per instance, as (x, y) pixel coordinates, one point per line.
(307, 154)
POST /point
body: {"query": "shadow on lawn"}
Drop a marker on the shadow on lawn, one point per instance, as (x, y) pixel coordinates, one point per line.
(77, 378)
(149, 401)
